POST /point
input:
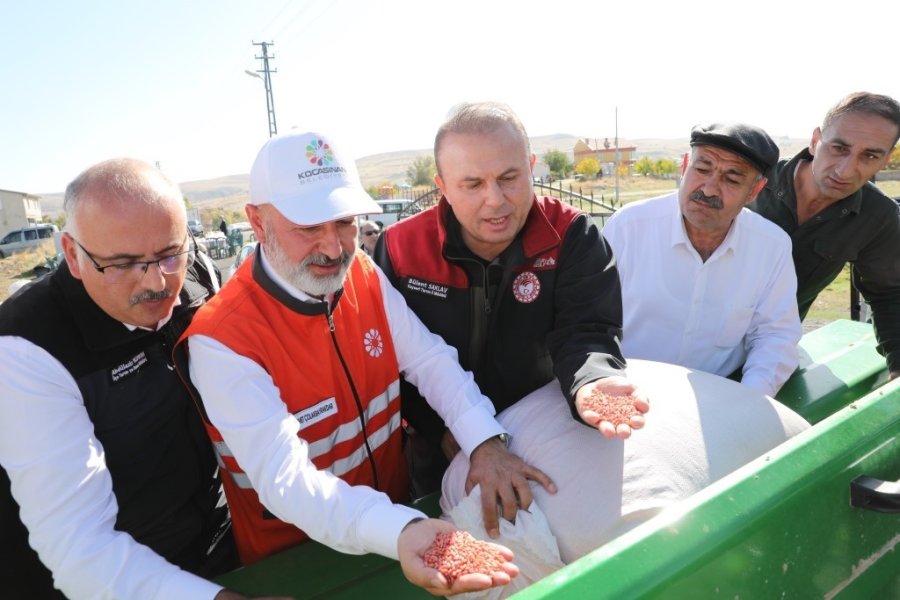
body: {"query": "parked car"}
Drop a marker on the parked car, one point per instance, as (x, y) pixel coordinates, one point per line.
(24, 238)
(241, 226)
(195, 227)
(391, 210)
(243, 254)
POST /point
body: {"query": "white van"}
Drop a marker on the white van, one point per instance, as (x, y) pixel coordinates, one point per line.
(19, 240)
(391, 212)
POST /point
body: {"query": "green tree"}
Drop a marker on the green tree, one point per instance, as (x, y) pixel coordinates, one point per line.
(643, 166)
(558, 162)
(59, 220)
(589, 167)
(421, 172)
(665, 167)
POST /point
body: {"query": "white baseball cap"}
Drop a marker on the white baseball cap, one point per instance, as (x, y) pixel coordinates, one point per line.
(308, 180)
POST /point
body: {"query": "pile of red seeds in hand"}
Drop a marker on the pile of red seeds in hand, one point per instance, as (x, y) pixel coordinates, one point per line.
(456, 553)
(617, 410)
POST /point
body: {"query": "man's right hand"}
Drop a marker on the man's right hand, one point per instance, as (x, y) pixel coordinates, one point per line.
(417, 537)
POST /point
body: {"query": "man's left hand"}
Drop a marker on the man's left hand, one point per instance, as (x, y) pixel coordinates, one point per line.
(503, 478)
(894, 375)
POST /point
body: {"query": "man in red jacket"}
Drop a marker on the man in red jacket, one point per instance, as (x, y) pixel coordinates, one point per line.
(525, 288)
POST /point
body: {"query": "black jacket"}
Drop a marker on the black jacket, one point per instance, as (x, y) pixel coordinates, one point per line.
(549, 306)
(862, 229)
(160, 459)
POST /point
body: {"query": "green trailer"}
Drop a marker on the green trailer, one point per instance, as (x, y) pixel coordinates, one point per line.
(815, 517)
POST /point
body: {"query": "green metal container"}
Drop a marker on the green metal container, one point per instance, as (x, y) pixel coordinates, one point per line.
(782, 526)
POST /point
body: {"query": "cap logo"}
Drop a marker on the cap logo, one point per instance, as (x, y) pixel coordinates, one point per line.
(319, 153)
(321, 157)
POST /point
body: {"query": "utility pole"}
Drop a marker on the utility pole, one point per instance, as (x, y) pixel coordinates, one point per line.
(616, 165)
(267, 79)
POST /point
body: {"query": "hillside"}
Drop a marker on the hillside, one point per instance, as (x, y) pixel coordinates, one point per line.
(231, 192)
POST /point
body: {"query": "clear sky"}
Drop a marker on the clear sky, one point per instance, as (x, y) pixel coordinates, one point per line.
(164, 80)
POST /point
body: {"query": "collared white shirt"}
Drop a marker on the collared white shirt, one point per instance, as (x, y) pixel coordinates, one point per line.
(738, 307)
(57, 468)
(262, 434)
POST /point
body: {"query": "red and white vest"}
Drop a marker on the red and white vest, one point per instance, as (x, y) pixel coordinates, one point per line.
(337, 375)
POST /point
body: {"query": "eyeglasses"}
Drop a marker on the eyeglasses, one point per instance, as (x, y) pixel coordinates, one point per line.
(132, 271)
(371, 232)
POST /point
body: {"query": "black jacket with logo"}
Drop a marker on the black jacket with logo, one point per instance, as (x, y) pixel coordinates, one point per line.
(548, 306)
(862, 229)
(163, 470)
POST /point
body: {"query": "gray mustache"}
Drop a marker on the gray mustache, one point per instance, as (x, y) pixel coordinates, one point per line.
(710, 201)
(151, 296)
(320, 260)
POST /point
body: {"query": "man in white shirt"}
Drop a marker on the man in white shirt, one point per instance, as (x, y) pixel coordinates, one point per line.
(298, 360)
(108, 466)
(706, 283)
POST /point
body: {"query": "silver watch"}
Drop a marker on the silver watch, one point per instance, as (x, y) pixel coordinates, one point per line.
(504, 437)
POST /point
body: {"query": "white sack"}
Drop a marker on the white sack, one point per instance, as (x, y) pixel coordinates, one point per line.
(700, 428)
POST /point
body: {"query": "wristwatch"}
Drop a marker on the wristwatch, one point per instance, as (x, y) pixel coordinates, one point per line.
(504, 437)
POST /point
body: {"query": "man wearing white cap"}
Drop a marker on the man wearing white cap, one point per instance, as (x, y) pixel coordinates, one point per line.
(298, 364)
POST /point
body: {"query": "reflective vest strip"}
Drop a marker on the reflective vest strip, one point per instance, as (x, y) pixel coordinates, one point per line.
(353, 428)
(241, 480)
(345, 432)
(343, 466)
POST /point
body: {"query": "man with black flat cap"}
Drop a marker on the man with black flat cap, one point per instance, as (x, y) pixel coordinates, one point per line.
(706, 283)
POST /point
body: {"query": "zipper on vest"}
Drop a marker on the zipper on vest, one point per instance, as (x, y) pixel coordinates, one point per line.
(359, 408)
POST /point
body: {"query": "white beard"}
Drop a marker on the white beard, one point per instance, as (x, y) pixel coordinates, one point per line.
(300, 276)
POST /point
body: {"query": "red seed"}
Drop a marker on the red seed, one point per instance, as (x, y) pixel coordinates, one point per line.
(456, 553)
(617, 410)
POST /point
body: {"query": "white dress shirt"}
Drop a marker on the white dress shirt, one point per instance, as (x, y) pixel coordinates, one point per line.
(262, 434)
(737, 308)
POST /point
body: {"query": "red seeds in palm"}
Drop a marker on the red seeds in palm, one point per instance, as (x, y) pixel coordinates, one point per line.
(456, 553)
(617, 410)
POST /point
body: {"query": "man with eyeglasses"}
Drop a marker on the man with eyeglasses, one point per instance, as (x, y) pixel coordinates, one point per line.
(104, 458)
(368, 235)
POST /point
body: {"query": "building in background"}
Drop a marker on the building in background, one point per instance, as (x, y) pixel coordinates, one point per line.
(18, 209)
(605, 154)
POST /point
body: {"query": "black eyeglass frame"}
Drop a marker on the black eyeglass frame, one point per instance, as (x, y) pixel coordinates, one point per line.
(126, 267)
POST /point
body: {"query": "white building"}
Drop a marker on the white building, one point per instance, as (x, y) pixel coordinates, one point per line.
(18, 209)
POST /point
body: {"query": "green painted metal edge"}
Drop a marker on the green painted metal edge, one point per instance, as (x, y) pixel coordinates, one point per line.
(312, 570)
(781, 526)
(838, 364)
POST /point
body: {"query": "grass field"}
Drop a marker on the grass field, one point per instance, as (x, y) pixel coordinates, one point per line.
(834, 301)
(20, 266)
